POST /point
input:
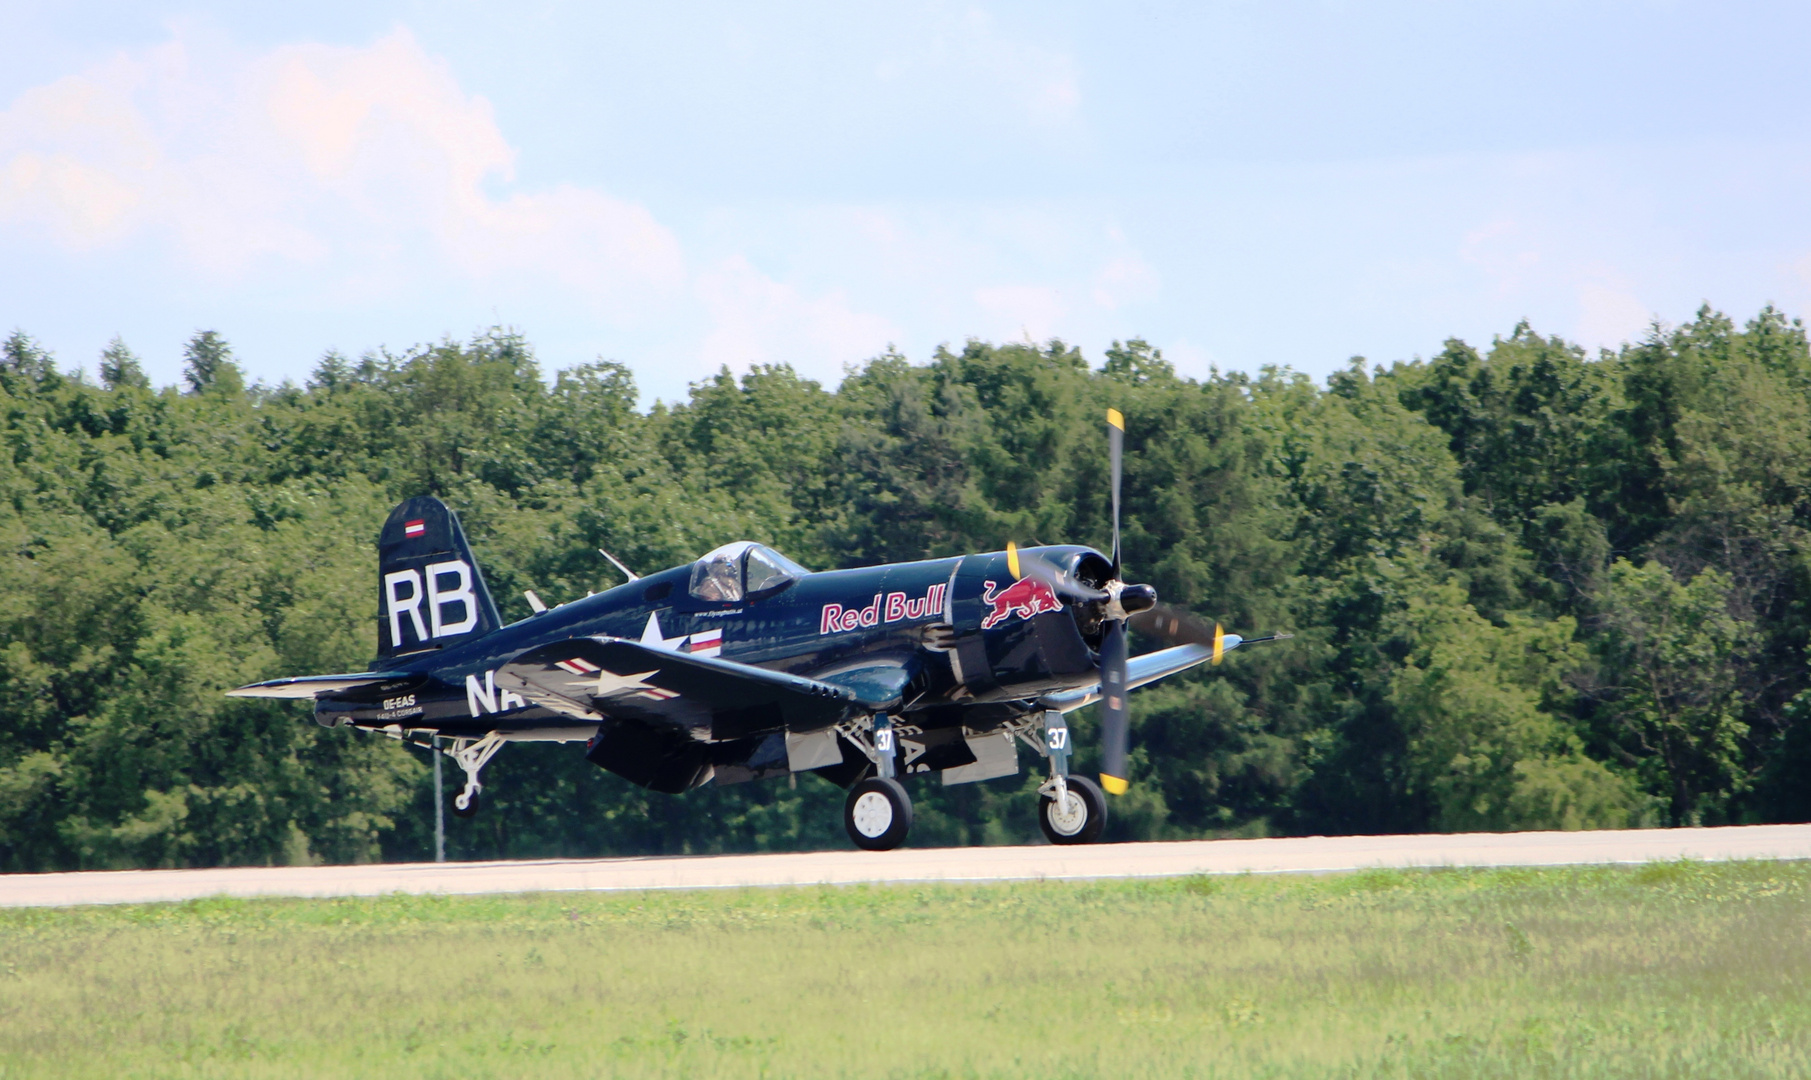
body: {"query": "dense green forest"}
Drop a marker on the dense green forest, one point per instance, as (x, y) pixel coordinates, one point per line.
(1530, 588)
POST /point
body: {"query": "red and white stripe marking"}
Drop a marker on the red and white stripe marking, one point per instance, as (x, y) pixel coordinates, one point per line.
(415, 528)
(578, 666)
(709, 643)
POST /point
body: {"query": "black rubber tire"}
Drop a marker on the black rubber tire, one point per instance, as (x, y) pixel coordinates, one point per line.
(1092, 800)
(470, 809)
(878, 831)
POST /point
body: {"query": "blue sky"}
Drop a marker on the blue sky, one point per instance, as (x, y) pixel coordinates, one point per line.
(690, 185)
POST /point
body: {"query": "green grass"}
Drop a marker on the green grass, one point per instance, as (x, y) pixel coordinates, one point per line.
(1674, 969)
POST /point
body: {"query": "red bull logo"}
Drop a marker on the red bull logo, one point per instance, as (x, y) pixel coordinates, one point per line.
(1025, 597)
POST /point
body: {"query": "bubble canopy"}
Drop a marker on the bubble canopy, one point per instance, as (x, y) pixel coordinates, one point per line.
(743, 570)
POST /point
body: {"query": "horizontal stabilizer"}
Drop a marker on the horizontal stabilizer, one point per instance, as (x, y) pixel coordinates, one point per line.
(307, 686)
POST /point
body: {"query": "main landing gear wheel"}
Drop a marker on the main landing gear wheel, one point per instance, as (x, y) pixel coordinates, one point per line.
(1081, 817)
(878, 814)
(471, 755)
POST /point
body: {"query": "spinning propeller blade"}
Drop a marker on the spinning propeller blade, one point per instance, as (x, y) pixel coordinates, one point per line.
(1173, 626)
(1113, 709)
(1116, 452)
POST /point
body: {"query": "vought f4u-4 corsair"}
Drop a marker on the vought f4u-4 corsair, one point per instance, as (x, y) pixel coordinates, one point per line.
(745, 665)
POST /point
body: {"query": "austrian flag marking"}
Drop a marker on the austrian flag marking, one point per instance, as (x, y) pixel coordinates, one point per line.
(886, 608)
(415, 528)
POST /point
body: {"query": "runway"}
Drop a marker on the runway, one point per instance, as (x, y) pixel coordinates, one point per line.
(1296, 855)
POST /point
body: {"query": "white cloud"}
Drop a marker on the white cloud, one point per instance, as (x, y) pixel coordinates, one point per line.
(369, 163)
(70, 162)
(1190, 359)
(1125, 278)
(946, 272)
(1034, 312)
(757, 320)
(365, 186)
(1504, 252)
(1610, 314)
(83, 205)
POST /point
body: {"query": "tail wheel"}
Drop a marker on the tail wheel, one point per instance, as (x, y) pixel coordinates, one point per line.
(1080, 818)
(465, 804)
(878, 814)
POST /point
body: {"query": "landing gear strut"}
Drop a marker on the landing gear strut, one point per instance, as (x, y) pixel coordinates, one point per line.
(1071, 809)
(472, 755)
(878, 812)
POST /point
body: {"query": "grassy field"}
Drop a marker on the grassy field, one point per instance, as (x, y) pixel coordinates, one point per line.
(1675, 969)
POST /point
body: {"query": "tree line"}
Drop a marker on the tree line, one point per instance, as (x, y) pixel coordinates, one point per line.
(1529, 587)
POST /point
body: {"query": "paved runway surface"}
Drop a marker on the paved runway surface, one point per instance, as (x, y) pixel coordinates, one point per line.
(1310, 854)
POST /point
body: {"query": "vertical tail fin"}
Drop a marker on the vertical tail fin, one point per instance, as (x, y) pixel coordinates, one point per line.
(430, 592)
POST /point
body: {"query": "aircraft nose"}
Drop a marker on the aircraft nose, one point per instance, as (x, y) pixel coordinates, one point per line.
(1137, 598)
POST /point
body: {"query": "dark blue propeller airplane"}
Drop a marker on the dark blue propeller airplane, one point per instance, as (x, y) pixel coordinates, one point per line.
(745, 665)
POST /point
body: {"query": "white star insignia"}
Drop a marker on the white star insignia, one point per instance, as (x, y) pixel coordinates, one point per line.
(609, 684)
(653, 639)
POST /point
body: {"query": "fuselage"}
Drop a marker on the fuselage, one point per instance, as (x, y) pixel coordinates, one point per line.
(947, 642)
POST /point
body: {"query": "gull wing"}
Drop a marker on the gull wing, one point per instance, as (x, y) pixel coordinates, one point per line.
(605, 677)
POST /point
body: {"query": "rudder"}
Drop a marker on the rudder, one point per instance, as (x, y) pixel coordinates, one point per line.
(430, 592)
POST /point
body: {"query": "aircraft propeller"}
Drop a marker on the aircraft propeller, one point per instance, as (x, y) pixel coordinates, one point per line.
(1177, 627)
(1118, 602)
(1114, 709)
(1122, 606)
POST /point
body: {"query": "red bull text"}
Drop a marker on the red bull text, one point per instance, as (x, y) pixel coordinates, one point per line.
(886, 608)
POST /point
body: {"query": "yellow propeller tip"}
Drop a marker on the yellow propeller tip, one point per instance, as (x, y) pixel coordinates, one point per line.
(1219, 643)
(1116, 418)
(1012, 559)
(1113, 784)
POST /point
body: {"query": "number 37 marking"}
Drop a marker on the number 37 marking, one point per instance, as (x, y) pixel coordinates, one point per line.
(1057, 738)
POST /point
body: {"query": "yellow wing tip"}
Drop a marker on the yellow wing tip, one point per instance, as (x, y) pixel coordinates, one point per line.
(1113, 784)
(1116, 418)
